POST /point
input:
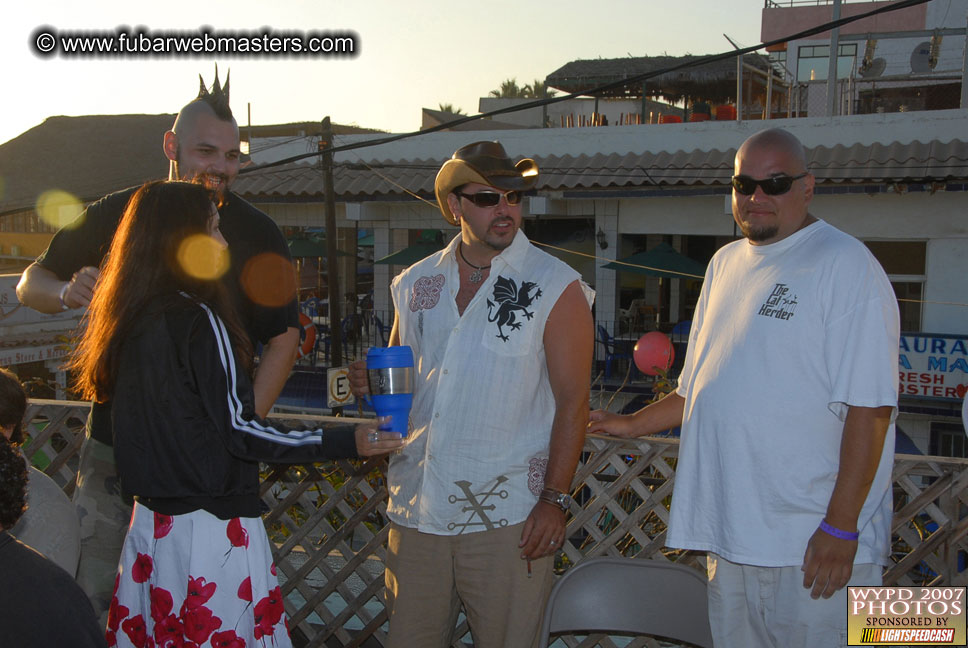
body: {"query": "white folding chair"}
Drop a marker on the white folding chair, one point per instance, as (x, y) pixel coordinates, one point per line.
(629, 596)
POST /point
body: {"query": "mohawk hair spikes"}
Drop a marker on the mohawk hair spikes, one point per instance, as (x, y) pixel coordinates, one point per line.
(217, 97)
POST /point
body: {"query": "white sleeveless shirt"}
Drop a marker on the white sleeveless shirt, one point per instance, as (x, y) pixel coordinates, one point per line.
(483, 407)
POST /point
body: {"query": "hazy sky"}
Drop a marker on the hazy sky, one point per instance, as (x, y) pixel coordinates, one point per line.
(412, 53)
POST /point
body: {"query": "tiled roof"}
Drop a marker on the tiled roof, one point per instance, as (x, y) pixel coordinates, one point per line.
(934, 160)
(388, 179)
(87, 156)
(94, 155)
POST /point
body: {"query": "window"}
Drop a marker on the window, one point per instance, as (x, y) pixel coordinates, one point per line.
(904, 263)
(948, 440)
(28, 222)
(909, 296)
(779, 61)
(812, 61)
(900, 257)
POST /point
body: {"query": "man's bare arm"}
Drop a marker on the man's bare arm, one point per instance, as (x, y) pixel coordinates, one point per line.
(653, 418)
(278, 356)
(40, 289)
(568, 339)
(828, 561)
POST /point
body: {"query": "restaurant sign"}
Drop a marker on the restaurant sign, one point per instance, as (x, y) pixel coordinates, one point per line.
(933, 366)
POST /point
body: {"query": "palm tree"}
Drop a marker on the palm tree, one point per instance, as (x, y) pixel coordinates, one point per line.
(449, 108)
(538, 90)
(509, 90)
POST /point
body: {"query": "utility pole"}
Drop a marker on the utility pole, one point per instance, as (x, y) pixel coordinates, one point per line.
(832, 63)
(739, 79)
(332, 269)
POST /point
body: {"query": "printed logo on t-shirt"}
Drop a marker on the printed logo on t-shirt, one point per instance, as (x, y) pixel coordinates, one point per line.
(508, 300)
(781, 304)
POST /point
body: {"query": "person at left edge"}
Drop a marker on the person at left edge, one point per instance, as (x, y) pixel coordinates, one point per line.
(203, 146)
(32, 588)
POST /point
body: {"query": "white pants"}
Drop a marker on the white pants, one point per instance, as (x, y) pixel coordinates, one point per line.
(768, 607)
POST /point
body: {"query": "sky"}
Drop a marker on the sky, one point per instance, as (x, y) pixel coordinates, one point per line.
(411, 54)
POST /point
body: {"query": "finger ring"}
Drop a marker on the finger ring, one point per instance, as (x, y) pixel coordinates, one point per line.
(553, 543)
(373, 436)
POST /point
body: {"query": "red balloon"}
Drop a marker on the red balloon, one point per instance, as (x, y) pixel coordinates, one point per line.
(653, 351)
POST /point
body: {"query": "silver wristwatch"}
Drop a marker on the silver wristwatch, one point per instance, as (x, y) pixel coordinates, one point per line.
(556, 497)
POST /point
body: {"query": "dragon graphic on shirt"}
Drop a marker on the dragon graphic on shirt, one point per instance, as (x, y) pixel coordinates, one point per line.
(509, 299)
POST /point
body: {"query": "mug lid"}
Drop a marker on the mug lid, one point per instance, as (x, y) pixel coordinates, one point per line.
(395, 356)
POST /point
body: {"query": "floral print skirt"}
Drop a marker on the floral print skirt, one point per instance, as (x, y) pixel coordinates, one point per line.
(195, 581)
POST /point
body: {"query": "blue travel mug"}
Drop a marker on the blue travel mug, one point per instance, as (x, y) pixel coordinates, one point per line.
(389, 371)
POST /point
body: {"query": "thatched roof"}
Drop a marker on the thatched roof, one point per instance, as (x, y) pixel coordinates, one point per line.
(714, 82)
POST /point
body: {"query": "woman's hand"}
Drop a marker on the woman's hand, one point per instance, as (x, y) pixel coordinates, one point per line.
(371, 441)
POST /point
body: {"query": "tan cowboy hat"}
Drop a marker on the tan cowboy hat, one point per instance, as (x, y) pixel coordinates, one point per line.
(485, 163)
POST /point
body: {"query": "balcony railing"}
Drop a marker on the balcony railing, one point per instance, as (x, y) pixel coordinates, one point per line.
(328, 524)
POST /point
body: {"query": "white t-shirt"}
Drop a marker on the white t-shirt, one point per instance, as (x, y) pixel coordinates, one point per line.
(483, 406)
(785, 337)
(964, 414)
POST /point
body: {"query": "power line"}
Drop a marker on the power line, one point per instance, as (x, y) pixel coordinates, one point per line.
(702, 60)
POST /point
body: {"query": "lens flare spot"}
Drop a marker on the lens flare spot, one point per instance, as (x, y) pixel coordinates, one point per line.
(59, 208)
(203, 257)
(269, 280)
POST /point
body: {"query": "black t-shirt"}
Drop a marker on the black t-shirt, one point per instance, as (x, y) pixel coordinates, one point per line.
(250, 234)
(40, 604)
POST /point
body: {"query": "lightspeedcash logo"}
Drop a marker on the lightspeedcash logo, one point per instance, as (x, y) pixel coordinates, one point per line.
(912, 616)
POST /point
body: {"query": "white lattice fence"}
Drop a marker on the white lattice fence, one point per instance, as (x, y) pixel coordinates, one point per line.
(55, 431)
(328, 524)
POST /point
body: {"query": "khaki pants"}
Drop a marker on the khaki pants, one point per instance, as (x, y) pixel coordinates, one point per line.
(104, 518)
(429, 576)
(768, 607)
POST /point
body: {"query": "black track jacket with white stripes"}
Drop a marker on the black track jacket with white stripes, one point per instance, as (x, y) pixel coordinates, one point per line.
(186, 436)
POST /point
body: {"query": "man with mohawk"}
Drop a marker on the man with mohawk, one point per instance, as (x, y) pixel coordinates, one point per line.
(202, 146)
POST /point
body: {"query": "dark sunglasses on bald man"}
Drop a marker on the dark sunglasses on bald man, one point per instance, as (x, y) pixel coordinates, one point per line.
(773, 186)
(491, 198)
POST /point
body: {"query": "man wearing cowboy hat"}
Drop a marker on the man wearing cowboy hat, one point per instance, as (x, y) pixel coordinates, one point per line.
(502, 337)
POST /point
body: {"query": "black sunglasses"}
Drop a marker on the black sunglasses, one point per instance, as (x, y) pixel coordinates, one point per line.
(491, 198)
(773, 186)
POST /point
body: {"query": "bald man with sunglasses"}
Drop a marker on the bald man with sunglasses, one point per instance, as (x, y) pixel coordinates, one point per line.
(786, 401)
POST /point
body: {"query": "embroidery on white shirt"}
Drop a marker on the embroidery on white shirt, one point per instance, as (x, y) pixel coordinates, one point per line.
(537, 468)
(477, 505)
(510, 299)
(426, 292)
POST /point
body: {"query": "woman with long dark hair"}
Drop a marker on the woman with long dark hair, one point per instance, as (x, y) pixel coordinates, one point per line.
(163, 344)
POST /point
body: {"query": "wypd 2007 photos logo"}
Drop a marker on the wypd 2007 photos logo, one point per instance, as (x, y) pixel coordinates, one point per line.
(913, 616)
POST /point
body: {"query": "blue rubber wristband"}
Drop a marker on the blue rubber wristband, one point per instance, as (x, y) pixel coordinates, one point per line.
(838, 533)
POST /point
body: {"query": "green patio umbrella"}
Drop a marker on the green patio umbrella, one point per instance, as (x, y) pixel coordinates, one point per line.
(410, 255)
(430, 241)
(310, 247)
(660, 261)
